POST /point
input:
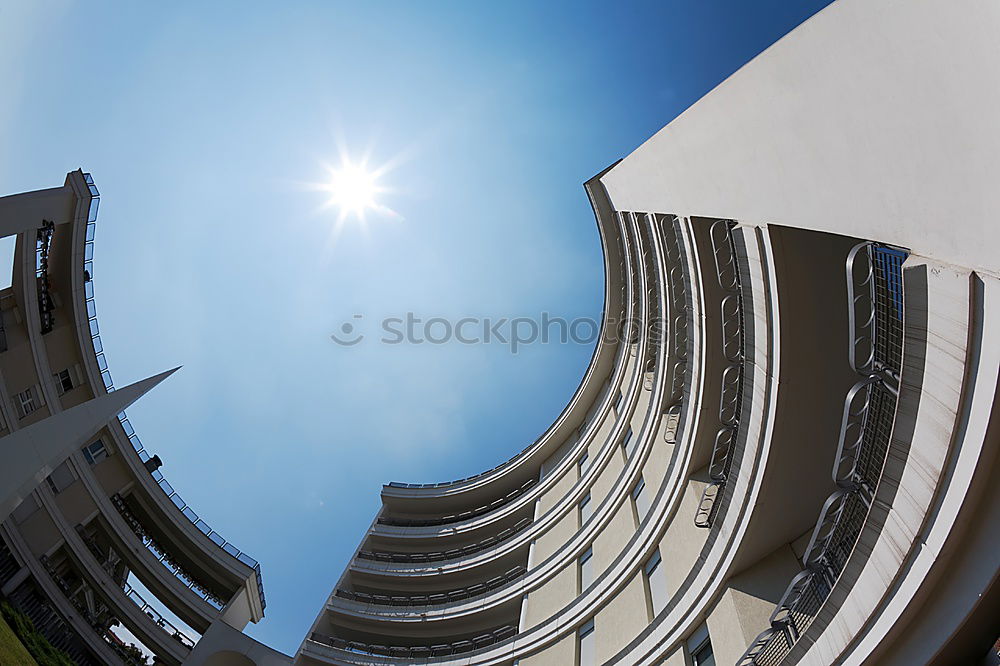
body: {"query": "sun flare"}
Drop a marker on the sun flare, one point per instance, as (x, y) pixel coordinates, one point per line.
(353, 189)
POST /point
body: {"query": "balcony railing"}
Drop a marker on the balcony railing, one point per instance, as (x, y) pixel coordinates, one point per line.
(731, 394)
(102, 366)
(462, 594)
(43, 243)
(454, 553)
(162, 556)
(132, 595)
(156, 617)
(458, 517)
(678, 342)
(875, 328)
(418, 652)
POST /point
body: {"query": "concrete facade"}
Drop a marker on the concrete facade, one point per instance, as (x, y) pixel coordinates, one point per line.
(808, 256)
(85, 508)
(783, 451)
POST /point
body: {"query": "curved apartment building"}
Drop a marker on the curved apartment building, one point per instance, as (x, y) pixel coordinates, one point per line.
(87, 511)
(784, 450)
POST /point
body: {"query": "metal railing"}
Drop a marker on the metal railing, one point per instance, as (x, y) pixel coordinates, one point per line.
(875, 330)
(454, 553)
(460, 594)
(43, 243)
(458, 517)
(163, 557)
(109, 386)
(678, 295)
(420, 651)
(731, 393)
(132, 595)
(157, 617)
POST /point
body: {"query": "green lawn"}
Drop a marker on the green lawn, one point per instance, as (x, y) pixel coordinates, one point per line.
(11, 650)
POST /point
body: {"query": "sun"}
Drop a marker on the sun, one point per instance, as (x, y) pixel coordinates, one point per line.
(353, 189)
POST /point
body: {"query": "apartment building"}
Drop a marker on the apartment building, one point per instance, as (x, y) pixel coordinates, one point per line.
(784, 450)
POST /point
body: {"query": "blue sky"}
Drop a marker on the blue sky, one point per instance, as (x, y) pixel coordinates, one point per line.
(202, 123)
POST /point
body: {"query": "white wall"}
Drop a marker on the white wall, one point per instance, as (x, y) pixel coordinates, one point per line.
(875, 118)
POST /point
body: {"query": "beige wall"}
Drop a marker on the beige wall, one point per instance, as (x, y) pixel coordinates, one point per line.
(605, 481)
(561, 653)
(743, 609)
(612, 539)
(621, 619)
(551, 597)
(682, 542)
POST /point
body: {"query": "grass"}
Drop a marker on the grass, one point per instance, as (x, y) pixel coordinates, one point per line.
(11, 650)
(42, 653)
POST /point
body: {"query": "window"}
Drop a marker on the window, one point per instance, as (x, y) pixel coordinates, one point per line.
(618, 402)
(629, 444)
(640, 497)
(60, 478)
(25, 402)
(703, 655)
(64, 381)
(586, 510)
(95, 453)
(581, 464)
(656, 582)
(586, 654)
(699, 646)
(586, 569)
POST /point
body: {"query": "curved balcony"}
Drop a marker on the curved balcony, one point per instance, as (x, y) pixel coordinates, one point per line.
(440, 598)
(731, 394)
(684, 608)
(453, 554)
(163, 556)
(412, 531)
(543, 572)
(458, 517)
(875, 327)
(460, 647)
(100, 377)
(568, 503)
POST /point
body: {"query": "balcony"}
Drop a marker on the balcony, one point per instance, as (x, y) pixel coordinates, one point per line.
(418, 652)
(169, 562)
(731, 394)
(453, 554)
(875, 323)
(441, 598)
(458, 517)
(97, 367)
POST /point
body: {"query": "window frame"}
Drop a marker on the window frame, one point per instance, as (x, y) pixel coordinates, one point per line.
(584, 512)
(628, 444)
(585, 564)
(64, 377)
(585, 631)
(93, 456)
(25, 399)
